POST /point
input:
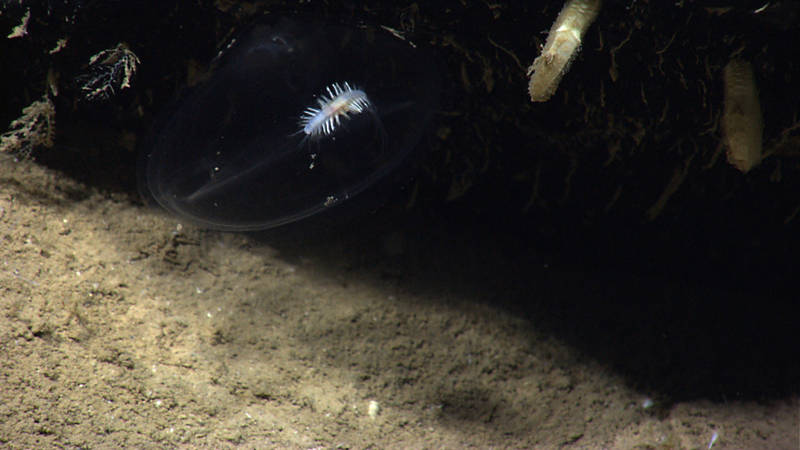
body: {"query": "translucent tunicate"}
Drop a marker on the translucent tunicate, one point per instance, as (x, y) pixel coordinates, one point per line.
(232, 152)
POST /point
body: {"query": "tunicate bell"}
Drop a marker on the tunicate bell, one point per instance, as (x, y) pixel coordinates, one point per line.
(232, 154)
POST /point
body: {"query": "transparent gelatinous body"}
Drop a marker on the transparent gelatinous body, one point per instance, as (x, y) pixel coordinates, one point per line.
(233, 154)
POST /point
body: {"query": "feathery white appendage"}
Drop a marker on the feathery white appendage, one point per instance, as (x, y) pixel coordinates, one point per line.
(341, 101)
(563, 43)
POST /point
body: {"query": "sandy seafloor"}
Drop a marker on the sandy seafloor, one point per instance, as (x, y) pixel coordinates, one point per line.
(123, 327)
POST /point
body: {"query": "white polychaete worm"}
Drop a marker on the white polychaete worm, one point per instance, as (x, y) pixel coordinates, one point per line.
(341, 101)
(563, 43)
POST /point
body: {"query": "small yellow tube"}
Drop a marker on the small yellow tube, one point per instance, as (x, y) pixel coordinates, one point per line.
(742, 124)
(563, 43)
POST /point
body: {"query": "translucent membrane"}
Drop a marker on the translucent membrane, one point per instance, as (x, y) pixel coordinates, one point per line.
(231, 153)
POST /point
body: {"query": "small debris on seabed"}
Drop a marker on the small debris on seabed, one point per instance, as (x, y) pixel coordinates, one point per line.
(373, 409)
(714, 438)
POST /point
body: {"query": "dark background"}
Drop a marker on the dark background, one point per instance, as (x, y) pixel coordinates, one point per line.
(549, 207)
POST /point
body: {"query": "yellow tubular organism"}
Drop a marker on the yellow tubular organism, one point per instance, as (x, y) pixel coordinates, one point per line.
(742, 125)
(563, 43)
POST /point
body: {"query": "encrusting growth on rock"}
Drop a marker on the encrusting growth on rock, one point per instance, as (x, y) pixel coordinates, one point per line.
(34, 128)
(742, 124)
(109, 72)
(563, 43)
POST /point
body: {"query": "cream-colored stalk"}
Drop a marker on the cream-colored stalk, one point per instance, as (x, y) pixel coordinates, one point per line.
(563, 43)
(742, 124)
